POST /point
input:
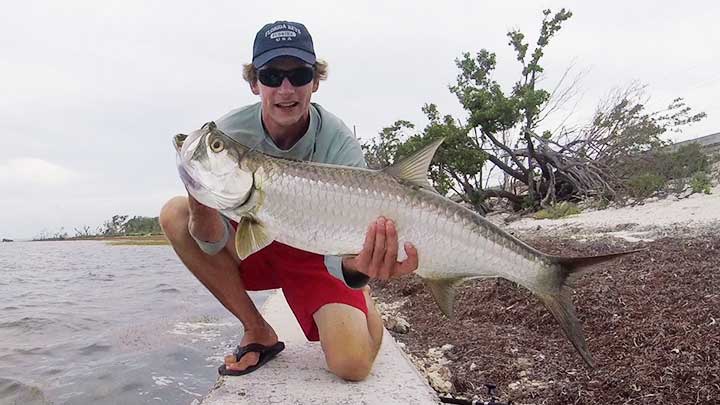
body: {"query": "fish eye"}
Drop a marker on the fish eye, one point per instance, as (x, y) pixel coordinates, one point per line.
(217, 145)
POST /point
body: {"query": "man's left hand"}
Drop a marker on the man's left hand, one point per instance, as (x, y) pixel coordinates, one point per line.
(378, 258)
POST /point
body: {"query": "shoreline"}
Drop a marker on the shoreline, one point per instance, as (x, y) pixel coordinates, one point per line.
(137, 240)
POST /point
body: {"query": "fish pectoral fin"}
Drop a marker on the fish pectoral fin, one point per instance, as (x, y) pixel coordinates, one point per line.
(415, 168)
(259, 178)
(443, 290)
(251, 236)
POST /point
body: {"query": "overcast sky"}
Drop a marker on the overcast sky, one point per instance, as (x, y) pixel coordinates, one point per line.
(92, 91)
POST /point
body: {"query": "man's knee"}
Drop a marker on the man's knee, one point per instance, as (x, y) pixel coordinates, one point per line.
(352, 364)
(345, 339)
(174, 217)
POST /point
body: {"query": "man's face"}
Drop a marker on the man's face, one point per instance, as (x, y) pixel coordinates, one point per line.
(287, 105)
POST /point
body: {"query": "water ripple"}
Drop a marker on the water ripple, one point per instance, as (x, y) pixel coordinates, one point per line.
(99, 277)
(27, 324)
(52, 371)
(94, 348)
(15, 392)
(34, 351)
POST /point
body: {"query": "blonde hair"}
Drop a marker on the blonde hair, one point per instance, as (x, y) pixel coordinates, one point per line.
(250, 71)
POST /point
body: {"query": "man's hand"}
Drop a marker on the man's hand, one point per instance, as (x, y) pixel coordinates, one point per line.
(378, 258)
(205, 223)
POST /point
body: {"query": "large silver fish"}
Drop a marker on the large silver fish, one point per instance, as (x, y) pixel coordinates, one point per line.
(326, 208)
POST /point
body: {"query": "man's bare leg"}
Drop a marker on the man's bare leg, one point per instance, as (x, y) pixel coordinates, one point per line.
(350, 340)
(219, 273)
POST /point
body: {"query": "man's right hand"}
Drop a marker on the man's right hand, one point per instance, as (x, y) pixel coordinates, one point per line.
(378, 257)
(205, 222)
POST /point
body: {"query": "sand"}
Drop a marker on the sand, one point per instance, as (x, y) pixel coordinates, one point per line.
(646, 220)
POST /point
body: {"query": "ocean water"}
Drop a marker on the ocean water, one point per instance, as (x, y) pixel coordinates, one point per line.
(89, 323)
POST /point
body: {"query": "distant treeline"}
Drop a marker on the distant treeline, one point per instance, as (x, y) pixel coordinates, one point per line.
(118, 225)
(121, 225)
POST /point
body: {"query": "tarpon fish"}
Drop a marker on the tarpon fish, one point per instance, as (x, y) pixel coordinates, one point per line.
(325, 209)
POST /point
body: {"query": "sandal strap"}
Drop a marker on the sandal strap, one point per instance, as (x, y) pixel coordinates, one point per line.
(240, 351)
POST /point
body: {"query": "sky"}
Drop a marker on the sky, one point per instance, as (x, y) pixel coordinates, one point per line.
(91, 92)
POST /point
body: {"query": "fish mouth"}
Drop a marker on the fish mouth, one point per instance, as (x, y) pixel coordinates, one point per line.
(196, 186)
(187, 179)
(178, 141)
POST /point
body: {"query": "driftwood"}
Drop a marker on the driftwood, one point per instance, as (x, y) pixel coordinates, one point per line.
(592, 161)
(564, 172)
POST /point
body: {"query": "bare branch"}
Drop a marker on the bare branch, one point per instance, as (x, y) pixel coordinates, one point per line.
(510, 153)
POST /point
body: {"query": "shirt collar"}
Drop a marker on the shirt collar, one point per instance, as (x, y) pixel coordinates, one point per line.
(303, 149)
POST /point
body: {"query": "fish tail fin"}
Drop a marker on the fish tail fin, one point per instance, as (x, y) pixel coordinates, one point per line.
(562, 308)
(576, 265)
(559, 302)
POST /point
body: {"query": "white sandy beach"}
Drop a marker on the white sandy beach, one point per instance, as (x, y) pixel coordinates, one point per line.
(648, 219)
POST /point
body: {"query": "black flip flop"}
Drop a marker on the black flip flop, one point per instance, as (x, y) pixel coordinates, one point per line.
(266, 354)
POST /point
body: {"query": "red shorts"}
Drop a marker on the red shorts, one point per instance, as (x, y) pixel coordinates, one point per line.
(304, 280)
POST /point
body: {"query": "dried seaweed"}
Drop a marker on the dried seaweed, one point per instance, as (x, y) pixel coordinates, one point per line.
(652, 322)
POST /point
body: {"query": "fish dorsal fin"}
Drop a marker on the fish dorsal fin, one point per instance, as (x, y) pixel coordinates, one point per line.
(415, 168)
(443, 290)
(251, 236)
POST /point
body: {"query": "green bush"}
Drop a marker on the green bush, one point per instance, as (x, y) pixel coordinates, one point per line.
(601, 203)
(527, 203)
(677, 185)
(684, 162)
(700, 183)
(561, 210)
(662, 169)
(645, 185)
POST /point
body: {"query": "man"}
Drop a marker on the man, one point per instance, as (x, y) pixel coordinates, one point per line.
(328, 295)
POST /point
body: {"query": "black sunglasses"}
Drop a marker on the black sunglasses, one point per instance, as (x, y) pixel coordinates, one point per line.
(272, 77)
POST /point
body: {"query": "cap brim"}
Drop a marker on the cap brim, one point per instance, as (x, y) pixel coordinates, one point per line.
(266, 57)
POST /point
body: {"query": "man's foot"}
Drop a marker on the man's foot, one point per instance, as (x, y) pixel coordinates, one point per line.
(265, 336)
(266, 354)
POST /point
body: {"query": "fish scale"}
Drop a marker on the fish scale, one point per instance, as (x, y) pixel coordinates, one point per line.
(326, 211)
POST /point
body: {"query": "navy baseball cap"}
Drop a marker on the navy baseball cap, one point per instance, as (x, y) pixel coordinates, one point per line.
(283, 38)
